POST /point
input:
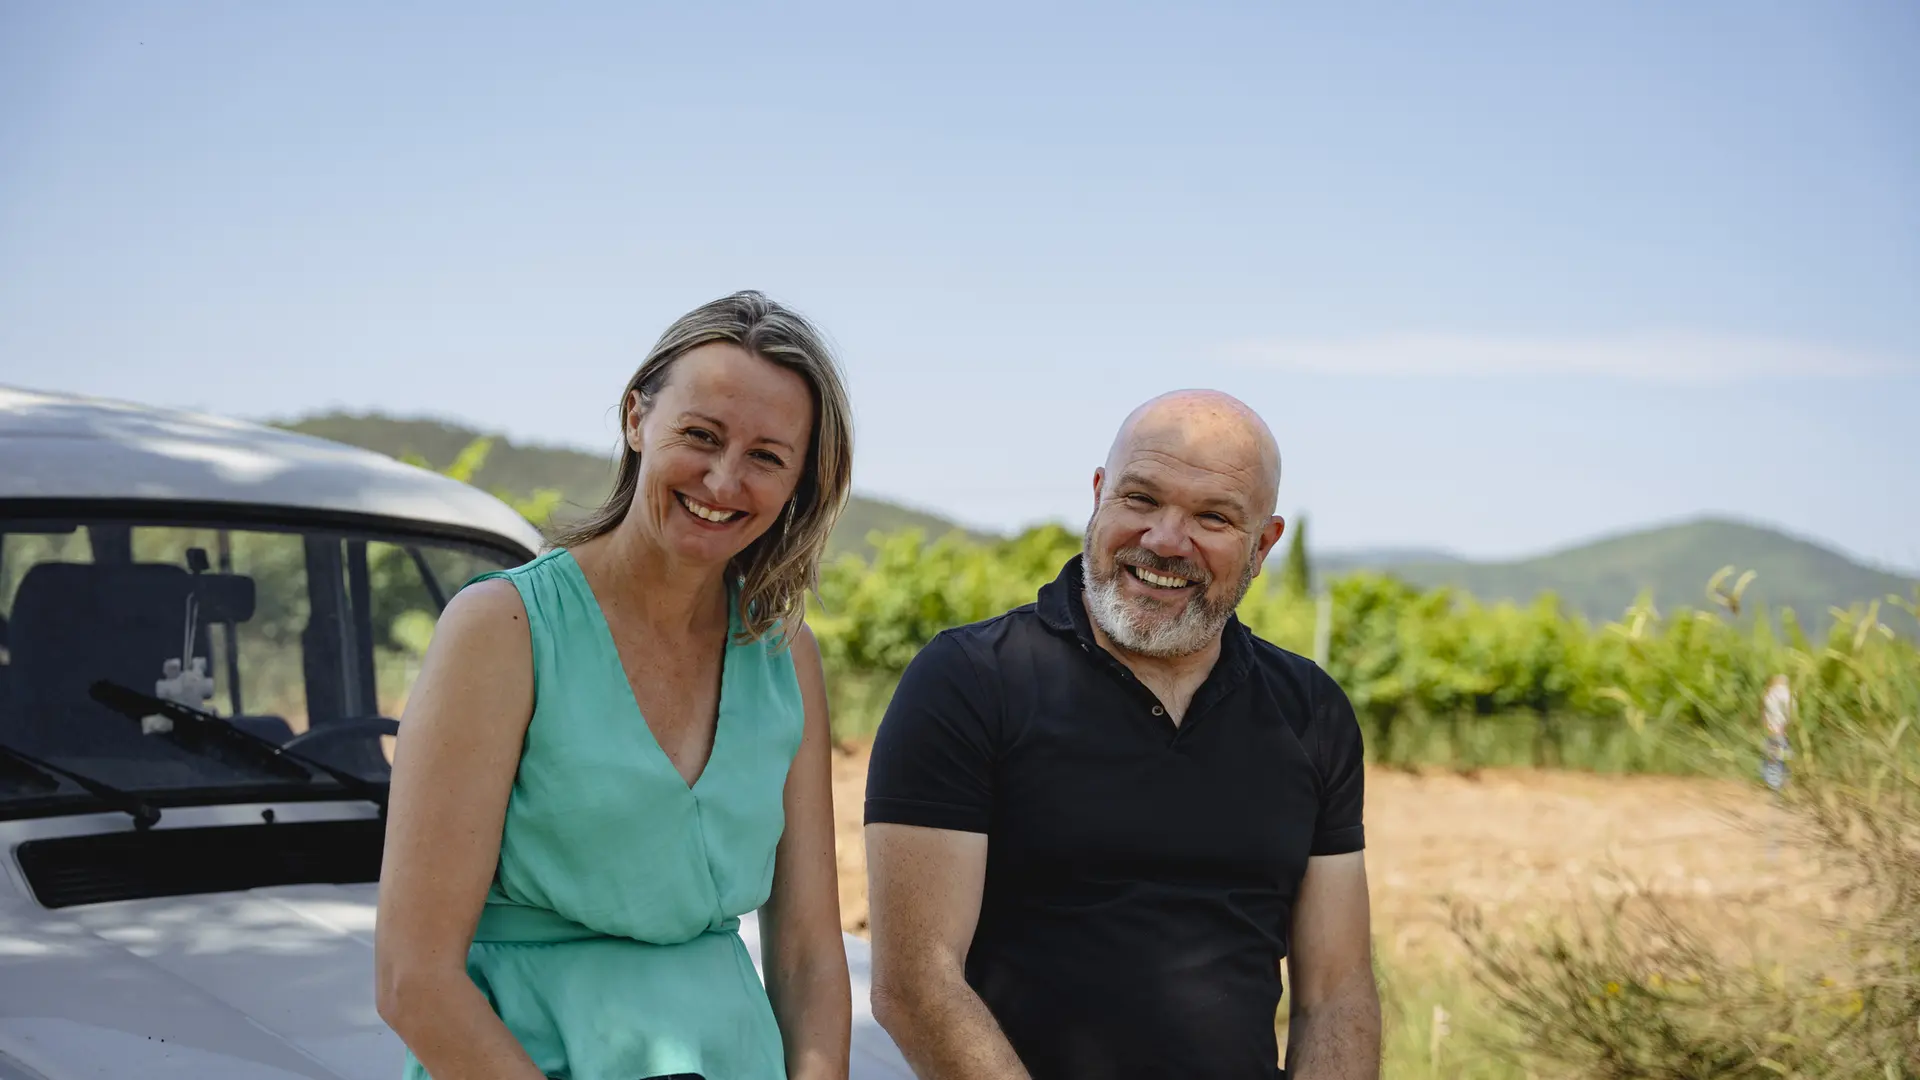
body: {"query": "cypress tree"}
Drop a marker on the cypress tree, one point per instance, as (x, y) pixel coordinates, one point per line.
(1296, 577)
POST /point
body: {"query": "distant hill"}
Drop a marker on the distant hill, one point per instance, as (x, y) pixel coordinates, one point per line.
(1673, 563)
(1336, 562)
(582, 479)
(1599, 579)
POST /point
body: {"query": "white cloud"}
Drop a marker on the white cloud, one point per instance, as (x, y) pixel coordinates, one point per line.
(1649, 357)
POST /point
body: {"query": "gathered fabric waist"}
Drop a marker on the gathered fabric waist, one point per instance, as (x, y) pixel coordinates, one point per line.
(520, 924)
(586, 1003)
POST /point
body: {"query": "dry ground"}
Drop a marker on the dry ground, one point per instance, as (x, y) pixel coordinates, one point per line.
(1516, 842)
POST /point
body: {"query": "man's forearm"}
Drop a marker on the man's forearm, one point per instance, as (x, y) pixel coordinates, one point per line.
(946, 1032)
(1337, 1039)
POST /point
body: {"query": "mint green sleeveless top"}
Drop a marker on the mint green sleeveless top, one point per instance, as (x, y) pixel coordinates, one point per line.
(609, 942)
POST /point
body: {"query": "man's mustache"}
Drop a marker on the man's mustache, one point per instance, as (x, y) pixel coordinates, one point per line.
(1147, 560)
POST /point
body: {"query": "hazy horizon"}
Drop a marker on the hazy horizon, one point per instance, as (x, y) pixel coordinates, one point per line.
(1073, 523)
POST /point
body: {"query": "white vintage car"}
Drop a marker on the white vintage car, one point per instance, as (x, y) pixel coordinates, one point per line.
(206, 628)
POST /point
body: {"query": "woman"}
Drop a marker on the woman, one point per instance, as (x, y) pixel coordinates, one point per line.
(617, 749)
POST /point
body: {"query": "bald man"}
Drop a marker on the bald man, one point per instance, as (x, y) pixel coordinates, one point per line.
(1100, 824)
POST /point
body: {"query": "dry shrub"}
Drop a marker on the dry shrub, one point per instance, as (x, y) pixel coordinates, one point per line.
(1648, 987)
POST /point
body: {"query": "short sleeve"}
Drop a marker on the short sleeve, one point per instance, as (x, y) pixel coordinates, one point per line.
(1343, 775)
(932, 761)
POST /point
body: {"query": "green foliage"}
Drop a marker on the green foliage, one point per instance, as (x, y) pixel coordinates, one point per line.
(871, 617)
(538, 508)
(1296, 577)
(1435, 677)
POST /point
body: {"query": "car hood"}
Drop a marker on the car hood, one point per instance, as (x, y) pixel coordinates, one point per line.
(272, 984)
(275, 983)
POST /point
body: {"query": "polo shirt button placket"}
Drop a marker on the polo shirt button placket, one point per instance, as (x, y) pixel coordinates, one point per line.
(1158, 711)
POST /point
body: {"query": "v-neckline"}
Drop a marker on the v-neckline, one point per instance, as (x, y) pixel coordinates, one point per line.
(612, 648)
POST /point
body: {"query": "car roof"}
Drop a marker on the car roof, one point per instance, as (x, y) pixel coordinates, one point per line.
(68, 446)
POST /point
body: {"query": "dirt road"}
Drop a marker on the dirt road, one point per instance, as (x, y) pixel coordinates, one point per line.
(1517, 841)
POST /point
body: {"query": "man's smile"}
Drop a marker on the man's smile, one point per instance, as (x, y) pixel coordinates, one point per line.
(1159, 581)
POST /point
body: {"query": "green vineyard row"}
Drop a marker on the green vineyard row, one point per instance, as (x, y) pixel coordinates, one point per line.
(1435, 677)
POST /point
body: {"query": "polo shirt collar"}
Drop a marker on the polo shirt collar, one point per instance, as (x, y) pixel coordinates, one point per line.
(1062, 610)
(1059, 604)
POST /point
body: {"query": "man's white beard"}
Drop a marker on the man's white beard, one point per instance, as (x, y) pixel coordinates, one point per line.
(1138, 629)
(1142, 627)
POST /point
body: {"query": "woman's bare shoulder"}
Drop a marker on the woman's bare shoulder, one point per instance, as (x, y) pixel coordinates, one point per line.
(480, 661)
(484, 602)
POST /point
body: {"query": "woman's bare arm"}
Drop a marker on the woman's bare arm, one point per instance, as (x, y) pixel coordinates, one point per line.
(805, 958)
(459, 746)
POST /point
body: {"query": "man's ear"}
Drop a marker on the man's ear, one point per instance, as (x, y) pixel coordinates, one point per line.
(1099, 482)
(1269, 537)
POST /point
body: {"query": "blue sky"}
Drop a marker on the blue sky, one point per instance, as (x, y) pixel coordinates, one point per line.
(1501, 276)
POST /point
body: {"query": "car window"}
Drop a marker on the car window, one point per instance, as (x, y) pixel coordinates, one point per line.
(20, 551)
(301, 635)
(410, 585)
(256, 664)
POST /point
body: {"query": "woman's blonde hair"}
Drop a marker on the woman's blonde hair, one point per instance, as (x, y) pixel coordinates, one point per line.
(777, 570)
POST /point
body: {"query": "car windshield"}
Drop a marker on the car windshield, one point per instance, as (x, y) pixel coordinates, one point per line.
(306, 635)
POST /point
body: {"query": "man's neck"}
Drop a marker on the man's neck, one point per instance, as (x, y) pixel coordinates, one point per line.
(1173, 679)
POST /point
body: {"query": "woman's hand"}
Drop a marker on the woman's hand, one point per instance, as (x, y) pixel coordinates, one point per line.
(804, 956)
(459, 746)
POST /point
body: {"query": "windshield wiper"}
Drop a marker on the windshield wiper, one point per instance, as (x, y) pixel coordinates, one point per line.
(144, 816)
(212, 736)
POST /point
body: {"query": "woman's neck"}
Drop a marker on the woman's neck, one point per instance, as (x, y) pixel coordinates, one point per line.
(634, 573)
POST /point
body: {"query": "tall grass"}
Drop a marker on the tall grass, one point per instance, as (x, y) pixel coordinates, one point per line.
(1648, 987)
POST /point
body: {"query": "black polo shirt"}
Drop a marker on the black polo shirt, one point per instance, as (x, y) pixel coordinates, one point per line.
(1140, 877)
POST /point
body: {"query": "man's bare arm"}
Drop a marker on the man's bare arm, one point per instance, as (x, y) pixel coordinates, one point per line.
(1333, 1029)
(924, 888)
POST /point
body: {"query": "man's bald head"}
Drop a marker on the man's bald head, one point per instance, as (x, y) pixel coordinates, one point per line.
(1183, 519)
(1210, 422)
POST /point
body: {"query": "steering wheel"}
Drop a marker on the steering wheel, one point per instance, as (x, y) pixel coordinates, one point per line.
(359, 727)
